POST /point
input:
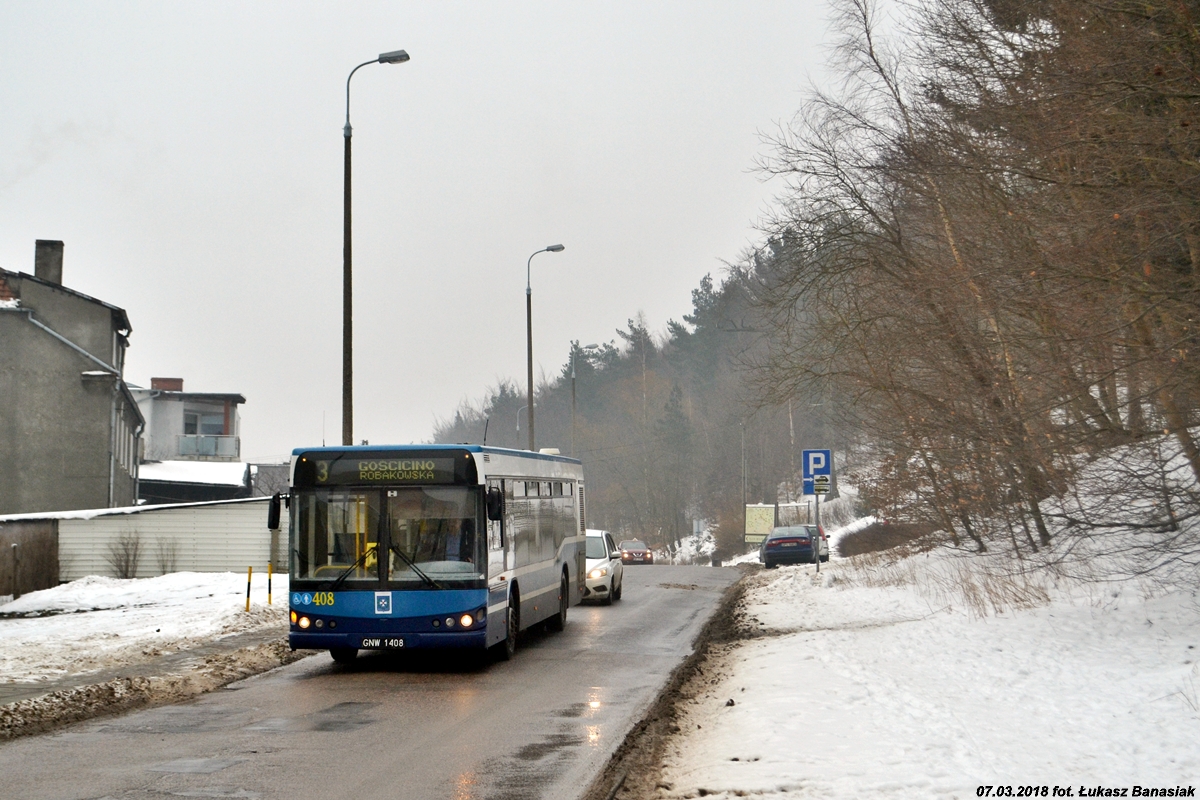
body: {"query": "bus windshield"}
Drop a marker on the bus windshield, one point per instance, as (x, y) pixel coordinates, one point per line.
(432, 536)
(410, 537)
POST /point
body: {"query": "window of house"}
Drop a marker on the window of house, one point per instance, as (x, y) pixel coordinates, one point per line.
(195, 422)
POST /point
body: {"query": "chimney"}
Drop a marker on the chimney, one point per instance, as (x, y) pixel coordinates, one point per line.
(167, 384)
(47, 260)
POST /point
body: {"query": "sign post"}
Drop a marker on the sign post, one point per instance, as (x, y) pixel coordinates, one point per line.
(818, 468)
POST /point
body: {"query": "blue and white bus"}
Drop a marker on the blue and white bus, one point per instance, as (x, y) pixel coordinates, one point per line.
(431, 546)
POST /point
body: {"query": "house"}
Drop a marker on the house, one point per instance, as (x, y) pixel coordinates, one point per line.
(188, 426)
(191, 445)
(69, 426)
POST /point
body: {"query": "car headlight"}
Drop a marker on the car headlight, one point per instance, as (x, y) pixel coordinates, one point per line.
(598, 572)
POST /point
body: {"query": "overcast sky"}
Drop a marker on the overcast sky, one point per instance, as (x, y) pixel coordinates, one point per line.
(190, 157)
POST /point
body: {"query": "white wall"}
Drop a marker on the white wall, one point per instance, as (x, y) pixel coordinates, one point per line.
(221, 537)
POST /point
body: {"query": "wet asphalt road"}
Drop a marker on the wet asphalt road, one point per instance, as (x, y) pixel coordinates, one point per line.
(540, 726)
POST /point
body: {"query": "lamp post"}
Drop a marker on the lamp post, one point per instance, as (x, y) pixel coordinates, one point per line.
(554, 248)
(572, 401)
(575, 351)
(394, 57)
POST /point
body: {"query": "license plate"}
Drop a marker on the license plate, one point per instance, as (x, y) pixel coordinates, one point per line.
(383, 643)
(788, 544)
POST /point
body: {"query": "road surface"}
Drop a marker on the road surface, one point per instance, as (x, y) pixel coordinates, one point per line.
(540, 726)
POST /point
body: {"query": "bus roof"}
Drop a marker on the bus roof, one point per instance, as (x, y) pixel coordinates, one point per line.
(470, 448)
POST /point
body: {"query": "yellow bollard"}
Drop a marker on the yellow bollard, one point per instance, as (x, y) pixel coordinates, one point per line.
(249, 572)
(270, 572)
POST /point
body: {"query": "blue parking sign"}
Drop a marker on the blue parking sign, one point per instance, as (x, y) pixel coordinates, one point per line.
(817, 462)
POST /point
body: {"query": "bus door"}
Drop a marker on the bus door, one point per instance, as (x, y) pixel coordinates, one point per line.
(495, 535)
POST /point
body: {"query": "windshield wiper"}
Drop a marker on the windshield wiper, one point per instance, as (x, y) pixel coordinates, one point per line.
(414, 567)
(346, 573)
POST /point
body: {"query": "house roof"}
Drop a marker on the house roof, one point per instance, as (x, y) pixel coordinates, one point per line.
(120, 318)
(232, 397)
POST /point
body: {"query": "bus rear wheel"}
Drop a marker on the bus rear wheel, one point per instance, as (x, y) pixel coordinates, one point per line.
(344, 655)
(559, 620)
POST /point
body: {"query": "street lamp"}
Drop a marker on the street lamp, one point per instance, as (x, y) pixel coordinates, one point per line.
(394, 57)
(554, 248)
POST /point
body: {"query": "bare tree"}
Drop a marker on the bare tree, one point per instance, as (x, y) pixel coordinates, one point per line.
(124, 553)
(166, 552)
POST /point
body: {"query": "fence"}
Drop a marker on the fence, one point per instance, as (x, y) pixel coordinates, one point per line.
(223, 536)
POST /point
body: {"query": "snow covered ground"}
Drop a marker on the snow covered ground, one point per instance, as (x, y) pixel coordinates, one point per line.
(880, 678)
(901, 680)
(98, 623)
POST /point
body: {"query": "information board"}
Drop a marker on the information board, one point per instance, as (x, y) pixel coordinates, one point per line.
(760, 519)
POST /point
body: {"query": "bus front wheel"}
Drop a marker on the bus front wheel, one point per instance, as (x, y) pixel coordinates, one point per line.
(344, 655)
(512, 627)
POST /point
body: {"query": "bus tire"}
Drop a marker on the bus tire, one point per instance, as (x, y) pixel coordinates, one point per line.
(559, 620)
(512, 627)
(344, 655)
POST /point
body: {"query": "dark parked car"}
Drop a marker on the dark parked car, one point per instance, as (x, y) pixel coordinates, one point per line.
(635, 552)
(793, 544)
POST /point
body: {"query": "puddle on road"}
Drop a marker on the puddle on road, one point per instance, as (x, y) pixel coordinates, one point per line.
(195, 766)
(573, 710)
(180, 719)
(335, 719)
(526, 774)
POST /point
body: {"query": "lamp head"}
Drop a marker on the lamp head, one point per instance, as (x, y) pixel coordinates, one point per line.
(555, 248)
(394, 57)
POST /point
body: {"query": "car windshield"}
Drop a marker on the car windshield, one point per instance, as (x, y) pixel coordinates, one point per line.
(633, 544)
(596, 548)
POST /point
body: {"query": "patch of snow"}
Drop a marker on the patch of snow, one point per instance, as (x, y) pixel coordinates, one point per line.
(696, 549)
(96, 623)
(217, 473)
(92, 513)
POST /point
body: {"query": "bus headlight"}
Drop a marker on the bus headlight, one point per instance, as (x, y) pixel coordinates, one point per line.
(304, 623)
(598, 572)
(294, 617)
(466, 620)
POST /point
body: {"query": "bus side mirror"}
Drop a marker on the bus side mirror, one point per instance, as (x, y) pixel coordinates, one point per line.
(273, 512)
(495, 504)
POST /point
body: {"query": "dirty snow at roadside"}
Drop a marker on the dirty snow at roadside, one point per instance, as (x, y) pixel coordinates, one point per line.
(857, 691)
(98, 623)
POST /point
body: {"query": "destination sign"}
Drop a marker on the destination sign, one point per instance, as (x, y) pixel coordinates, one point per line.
(380, 470)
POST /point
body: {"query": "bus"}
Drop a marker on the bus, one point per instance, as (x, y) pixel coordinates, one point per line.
(418, 547)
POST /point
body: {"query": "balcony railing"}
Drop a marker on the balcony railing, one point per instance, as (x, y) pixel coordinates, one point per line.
(215, 446)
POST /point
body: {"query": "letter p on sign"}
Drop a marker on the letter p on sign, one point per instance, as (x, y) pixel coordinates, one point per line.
(817, 462)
